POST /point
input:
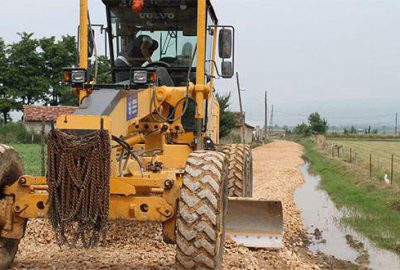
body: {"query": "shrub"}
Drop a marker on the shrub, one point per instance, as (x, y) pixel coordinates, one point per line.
(17, 133)
(231, 138)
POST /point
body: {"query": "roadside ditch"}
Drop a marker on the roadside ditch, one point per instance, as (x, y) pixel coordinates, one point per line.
(326, 233)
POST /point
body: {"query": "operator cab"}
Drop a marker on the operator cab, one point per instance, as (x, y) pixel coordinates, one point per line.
(157, 43)
(160, 37)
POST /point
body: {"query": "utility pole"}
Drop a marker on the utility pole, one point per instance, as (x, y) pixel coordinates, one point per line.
(239, 94)
(266, 116)
(242, 128)
(395, 126)
(271, 121)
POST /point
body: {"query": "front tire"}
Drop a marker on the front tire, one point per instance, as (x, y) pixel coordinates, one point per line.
(10, 171)
(240, 166)
(200, 232)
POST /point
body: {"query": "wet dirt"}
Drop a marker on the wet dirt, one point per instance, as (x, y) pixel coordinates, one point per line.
(321, 219)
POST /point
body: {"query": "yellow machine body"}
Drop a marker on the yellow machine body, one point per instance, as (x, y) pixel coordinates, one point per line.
(30, 193)
(130, 188)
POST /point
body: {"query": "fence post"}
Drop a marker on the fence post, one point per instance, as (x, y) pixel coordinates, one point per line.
(350, 155)
(333, 155)
(338, 152)
(370, 165)
(42, 142)
(391, 170)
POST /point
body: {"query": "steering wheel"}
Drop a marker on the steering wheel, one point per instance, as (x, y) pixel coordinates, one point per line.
(158, 64)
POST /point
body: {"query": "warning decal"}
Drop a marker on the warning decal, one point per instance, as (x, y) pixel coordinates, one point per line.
(132, 109)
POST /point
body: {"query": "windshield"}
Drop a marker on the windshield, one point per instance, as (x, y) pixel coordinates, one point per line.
(160, 32)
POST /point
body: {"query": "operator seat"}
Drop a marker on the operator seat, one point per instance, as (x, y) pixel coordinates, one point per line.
(185, 59)
(163, 77)
(187, 50)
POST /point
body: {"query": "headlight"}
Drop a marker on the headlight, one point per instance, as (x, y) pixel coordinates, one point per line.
(78, 76)
(140, 76)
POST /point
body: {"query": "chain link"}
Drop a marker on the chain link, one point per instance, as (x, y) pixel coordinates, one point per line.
(79, 186)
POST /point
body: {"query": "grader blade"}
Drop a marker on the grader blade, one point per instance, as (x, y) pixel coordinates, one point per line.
(255, 223)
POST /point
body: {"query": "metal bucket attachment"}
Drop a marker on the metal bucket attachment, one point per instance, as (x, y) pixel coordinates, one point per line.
(255, 223)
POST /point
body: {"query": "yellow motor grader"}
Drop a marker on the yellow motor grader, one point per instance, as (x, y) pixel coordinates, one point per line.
(146, 146)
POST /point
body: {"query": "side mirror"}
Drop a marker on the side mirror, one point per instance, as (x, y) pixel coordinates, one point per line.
(227, 69)
(225, 43)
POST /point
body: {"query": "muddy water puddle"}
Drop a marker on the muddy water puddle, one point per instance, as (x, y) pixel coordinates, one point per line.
(322, 218)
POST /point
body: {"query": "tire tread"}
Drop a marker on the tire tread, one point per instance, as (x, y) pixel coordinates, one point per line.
(199, 211)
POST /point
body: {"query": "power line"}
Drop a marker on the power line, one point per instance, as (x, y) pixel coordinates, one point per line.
(271, 121)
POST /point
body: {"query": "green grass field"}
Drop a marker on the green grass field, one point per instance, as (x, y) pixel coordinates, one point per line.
(381, 152)
(377, 206)
(30, 154)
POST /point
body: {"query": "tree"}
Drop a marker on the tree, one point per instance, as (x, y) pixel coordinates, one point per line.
(104, 70)
(57, 55)
(226, 117)
(6, 100)
(26, 80)
(317, 124)
(353, 130)
(31, 71)
(302, 129)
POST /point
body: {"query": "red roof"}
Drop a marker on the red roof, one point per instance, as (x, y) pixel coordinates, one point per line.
(47, 114)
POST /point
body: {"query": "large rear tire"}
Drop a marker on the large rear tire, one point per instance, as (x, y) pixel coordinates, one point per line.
(200, 231)
(240, 166)
(10, 170)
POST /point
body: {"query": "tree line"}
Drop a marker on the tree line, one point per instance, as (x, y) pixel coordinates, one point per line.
(31, 72)
(353, 130)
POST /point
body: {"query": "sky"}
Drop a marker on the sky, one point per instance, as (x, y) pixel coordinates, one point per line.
(338, 57)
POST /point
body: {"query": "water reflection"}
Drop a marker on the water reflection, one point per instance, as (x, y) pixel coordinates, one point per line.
(322, 220)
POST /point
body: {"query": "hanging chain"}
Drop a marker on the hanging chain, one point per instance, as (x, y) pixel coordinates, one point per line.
(79, 186)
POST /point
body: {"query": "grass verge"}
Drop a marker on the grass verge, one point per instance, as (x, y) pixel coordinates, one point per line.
(30, 154)
(376, 207)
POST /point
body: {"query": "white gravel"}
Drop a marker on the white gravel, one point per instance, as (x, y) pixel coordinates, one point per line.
(132, 245)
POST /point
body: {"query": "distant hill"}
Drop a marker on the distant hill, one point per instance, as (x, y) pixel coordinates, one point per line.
(361, 112)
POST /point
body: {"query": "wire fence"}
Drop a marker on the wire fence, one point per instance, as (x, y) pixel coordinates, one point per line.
(382, 167)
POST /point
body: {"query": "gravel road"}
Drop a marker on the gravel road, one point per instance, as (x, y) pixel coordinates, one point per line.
(140, 246)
